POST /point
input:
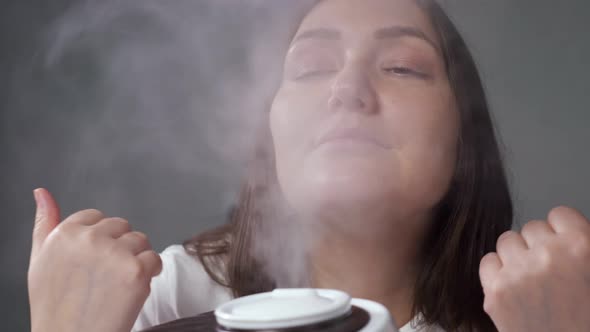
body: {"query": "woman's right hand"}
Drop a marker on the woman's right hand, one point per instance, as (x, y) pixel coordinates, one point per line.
(88, 273)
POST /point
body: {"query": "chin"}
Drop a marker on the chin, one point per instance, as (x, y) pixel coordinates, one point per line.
(336, 182)
(344, 189)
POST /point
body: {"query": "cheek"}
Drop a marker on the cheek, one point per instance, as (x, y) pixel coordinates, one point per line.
(427, 130)
(293, 121)
(294, 117)
(421, 113)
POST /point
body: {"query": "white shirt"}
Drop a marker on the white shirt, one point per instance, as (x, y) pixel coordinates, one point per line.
(184, 289)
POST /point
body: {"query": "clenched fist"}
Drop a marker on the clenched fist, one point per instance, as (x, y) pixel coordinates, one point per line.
(88, 273)
(539, 280)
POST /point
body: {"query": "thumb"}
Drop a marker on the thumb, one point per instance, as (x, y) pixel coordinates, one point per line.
(46, 217)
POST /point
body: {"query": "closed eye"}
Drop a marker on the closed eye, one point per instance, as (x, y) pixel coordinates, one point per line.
(313, 74)
(405, 71)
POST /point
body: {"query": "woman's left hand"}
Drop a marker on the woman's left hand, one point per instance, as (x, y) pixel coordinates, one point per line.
(539, 279)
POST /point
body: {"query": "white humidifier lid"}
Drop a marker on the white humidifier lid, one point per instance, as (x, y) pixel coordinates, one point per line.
(283, 308)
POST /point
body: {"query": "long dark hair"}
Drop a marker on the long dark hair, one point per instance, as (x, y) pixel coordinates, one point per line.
(471, 216)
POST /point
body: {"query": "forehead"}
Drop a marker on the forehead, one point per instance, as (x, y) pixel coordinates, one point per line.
(361, 18)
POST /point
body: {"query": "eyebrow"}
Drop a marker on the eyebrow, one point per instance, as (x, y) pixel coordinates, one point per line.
(320, 33)
(393, 32)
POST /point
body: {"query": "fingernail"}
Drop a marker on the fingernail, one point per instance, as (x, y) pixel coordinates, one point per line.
(39, 199)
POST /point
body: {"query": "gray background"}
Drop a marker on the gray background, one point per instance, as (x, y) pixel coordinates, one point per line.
(533, 55)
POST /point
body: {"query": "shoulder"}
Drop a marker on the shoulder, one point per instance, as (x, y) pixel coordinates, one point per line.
(183, 289)
(417, 325)
(421, 328)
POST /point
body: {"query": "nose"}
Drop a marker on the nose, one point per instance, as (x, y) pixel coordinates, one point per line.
(352, 91)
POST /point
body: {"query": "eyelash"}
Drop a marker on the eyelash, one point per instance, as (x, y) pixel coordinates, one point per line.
(405, 71)
(398, 70)
(313, 74)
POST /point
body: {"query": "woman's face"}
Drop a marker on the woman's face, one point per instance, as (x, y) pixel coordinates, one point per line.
(365, 117)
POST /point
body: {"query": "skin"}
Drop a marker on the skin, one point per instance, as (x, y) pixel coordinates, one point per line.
(370, 206)
(539, 279)
(357, 80)
(87, 273)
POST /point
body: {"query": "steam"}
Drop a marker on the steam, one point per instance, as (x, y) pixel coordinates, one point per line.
(282, 246)
(165, 78)
(183, 83)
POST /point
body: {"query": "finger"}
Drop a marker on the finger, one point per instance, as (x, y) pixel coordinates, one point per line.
(566, 220)
(151, 261)
(489, 267)
(85, 217)
(113, 227)
(47, 217)
(510, 247)
(134, 242)
(537, 232)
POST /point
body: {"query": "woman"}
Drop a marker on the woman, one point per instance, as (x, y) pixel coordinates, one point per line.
(381, 146)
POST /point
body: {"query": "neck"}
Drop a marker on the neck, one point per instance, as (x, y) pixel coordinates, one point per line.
(378, 264)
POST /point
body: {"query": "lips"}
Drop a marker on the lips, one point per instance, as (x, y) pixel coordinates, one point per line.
(355, 134)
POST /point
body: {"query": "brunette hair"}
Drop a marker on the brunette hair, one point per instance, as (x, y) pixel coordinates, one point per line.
(471, 216)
